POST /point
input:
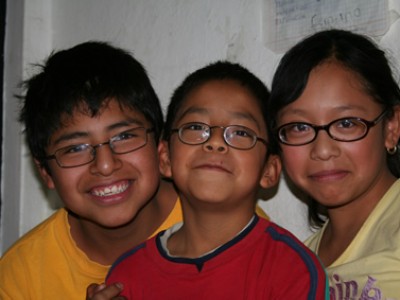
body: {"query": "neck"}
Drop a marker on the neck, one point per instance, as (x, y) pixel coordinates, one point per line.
(202, 231)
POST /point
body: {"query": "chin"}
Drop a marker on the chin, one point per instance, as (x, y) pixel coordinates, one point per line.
(115, 223)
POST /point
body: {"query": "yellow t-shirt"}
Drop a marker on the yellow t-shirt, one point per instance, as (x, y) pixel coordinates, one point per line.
(370, 266)
(46, 263)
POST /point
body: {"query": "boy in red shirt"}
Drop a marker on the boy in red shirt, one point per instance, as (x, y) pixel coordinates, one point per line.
(215, 148)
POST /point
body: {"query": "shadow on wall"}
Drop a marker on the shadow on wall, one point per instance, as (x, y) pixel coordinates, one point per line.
(49, 195)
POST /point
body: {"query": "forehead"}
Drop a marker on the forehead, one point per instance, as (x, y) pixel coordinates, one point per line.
(110, 119)
(110, 111)
(221, 98)
(331, 87)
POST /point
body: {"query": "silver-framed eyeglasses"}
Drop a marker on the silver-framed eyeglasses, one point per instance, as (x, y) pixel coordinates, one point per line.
(236, 136)
(348, 129)
(82, 154)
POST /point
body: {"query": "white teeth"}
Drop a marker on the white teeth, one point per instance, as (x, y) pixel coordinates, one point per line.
(116, 189)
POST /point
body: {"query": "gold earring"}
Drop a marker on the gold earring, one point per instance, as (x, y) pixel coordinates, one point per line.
(392, 151)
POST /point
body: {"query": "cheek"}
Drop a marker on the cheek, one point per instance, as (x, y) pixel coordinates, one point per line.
(147, 162)
(67, 181)
(144, 159)
(249, 159)
(181, 156)
(366, 154)
(293, 158)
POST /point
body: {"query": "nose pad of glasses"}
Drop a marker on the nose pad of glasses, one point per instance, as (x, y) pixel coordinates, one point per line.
(215, 141)
(220, 148)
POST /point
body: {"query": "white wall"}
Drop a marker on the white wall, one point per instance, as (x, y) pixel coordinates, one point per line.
(171, 38)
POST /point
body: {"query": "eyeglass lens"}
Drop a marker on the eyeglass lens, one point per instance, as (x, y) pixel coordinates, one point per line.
(345, 130)
(236, 136)
(125, 142)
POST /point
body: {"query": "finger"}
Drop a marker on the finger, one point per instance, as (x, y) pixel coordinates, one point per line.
(107, 292)
(92, 289)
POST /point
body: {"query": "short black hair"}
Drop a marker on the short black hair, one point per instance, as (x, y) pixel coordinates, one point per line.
(89, 74)
(220, 70)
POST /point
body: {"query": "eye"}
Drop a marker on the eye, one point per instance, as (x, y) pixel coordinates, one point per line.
(238, 133)
(297, 128)
(301, 127)
(194, 127)
(242, 132)
(126, 135)
(348, 126)
(347, 123)
(73, 149)
(292, 132)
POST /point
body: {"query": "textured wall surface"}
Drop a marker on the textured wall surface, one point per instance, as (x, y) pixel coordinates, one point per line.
(171, 38)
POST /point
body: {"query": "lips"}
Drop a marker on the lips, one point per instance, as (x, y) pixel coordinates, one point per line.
(213, 167)
(110, 190)
(330, 175)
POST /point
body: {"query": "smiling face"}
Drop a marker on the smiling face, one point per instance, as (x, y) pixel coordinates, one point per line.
(339, 174)
(110, 190)
(214, 172)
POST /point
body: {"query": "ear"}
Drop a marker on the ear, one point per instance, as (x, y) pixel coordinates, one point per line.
(165, 163)
(393, 129)
(45, 175)
(272, 172)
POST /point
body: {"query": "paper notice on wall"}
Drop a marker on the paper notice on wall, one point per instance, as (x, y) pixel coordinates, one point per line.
(287, 21)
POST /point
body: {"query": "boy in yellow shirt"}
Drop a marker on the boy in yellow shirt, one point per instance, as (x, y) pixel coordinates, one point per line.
(92, 122)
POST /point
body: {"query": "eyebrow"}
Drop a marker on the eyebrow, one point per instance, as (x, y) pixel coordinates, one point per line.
(305, 112)
(80, 134)
(204, 111)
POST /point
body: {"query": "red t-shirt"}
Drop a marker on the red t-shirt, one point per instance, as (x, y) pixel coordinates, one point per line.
(264, 261)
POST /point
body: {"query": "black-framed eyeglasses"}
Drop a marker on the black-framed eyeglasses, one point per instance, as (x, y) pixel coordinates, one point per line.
(344, 130)
(82, 154)
(236, 136)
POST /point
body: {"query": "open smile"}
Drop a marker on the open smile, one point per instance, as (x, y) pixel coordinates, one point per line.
(110, 190)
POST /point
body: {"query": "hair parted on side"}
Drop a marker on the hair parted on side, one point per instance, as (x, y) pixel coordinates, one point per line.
(85, 78)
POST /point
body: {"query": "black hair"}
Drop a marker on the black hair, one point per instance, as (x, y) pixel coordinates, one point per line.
(88, 75)
(220, 70)
(355, 52)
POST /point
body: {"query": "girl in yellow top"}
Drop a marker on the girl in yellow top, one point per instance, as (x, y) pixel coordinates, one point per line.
(335, 109)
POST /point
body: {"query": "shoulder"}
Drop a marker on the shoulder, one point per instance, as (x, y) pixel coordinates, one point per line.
(129, 258)
(286, 251)
(278, 233)
(38, 237)
(313, 241)
(287, 243)
(26, 258)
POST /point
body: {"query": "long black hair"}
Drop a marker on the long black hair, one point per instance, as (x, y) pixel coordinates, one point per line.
(356, 53)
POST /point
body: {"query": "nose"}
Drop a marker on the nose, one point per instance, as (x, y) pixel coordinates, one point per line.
(105, 162)
(216, 141)
(324, 147)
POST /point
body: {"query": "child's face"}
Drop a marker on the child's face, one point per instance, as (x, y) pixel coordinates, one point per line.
(213, 171)
(338, 173)
(110, 190)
